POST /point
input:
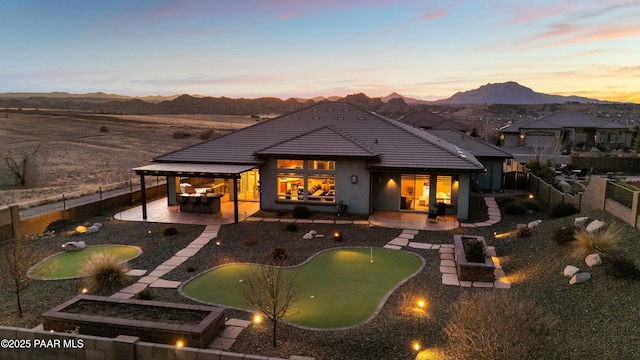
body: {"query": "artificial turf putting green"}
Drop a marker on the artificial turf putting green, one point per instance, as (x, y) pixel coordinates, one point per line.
(338, 288)
(68, 264)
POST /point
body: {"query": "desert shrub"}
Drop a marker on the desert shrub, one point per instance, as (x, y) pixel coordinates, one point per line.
(104, 129)
(515, 208)
(293, 227)
(301, 212)
(564, 235)
(144, 294)
(523, 232)
(532, 205)
(104, 273)
(496, 325)
(170, 231)
(474, 250)
(207, 134)
(562, 210)
(181, 135)
(621, 268)
(603, 242)
(279, 254)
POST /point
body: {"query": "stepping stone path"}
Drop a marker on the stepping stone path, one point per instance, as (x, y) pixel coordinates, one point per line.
(233, 328)
(447, 262)
(494, 214)
(154, 280)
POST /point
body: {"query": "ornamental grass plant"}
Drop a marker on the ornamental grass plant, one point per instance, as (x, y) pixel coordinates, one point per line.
(104, 273)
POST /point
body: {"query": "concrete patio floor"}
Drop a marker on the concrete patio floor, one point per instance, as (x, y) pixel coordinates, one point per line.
(158, 211)
(411, 220)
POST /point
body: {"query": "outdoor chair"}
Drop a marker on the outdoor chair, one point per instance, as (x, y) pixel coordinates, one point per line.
(439, 213)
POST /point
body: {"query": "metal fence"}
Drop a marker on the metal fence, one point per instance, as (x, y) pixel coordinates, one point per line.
(619, 194)
(73, 199)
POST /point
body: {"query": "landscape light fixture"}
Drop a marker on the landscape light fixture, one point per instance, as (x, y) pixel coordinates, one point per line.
(337, 236)
(416, 346)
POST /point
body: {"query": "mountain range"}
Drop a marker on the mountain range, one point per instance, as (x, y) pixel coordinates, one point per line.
(498, 93)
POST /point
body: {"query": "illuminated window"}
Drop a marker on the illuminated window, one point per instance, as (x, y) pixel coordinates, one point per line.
(290, 164)
(313, 180)
(321, 187)
(321, 165)
(290, 186)
(414, 192)
(443, 189)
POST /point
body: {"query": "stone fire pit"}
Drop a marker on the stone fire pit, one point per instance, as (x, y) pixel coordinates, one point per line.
(472, 271)
(151, 321)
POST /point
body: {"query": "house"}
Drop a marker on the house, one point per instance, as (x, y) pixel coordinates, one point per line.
(567, 129)
(324, 154)
(490, 156)
(427, 120)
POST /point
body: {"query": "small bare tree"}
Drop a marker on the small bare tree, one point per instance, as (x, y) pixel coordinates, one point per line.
(19, 165)
(271, 291)
(15, 262)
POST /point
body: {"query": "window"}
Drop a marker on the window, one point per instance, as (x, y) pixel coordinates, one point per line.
(311, 181)
(443, 189)
(290, 164)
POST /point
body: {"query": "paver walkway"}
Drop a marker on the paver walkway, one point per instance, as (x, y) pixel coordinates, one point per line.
(494, 214)
(447, 262)
(154, 278)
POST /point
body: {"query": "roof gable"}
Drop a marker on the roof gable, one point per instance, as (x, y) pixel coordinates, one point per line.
(477, 147)
(325, 142)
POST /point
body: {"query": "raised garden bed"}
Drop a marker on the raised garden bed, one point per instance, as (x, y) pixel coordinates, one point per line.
(151, 321)
(470, 270)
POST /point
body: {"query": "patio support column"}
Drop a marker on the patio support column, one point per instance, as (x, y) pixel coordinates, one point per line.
(235, 200)
(143, 193)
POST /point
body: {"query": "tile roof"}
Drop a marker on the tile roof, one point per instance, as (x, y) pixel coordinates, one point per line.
(477, 147)
(326, 128)
(564, 119)
(425, 119)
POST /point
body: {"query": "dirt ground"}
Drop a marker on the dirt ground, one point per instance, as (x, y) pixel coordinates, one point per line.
(71, 151)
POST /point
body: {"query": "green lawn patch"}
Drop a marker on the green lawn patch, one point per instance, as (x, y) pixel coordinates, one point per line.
(68, 264)
(338, 288)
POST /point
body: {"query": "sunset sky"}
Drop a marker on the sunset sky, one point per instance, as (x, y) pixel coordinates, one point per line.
(296, 48)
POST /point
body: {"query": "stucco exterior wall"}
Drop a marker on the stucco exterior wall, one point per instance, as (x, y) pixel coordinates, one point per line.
(356, 196)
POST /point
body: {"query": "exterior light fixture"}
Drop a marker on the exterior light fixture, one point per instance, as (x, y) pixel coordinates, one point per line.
(421, 304)
(217, 243)
(416, 346)
(257, 318)
(179, 344)
(85, 290)
(354, 179)
(337, 236)
(530, 196)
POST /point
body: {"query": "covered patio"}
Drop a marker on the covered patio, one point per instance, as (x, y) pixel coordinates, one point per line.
(159, 212)
(175, 171)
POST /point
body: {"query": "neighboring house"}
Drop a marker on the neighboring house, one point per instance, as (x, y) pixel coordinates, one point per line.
(324, 154)
(567, 129)
(492, 157)
(426, 120)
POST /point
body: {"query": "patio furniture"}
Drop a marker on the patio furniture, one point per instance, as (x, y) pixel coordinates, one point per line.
(439, 213)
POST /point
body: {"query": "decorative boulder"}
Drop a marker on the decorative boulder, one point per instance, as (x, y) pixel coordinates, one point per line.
(570, 270)
(580, 221)
(98, 225)
(534, 223)
(319, 236)
(307, 236)
(92, 229)
(521, 226)
(74, 245)
(595, 226)
(580, 278)
(593, 260)
(313, 232)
